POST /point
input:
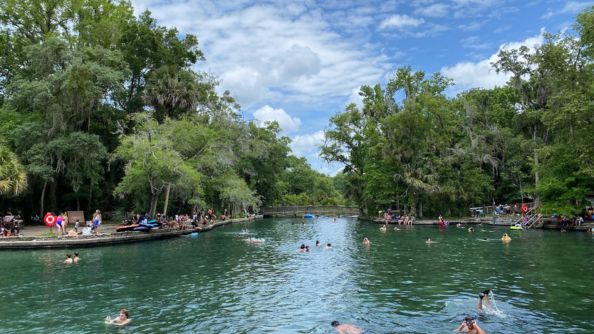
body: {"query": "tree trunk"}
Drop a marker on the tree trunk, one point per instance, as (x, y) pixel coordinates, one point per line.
(53, 200)
(166, 199)
(42, 198)
(90, 195)
(153, 209)
(536, 166)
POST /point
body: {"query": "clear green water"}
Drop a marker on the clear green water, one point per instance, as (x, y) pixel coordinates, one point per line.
(217, 283)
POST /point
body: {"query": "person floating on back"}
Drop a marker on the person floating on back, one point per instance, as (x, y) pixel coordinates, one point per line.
(469, 325)
(346, 328)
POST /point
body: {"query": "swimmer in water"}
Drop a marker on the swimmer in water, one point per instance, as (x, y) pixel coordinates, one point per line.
(366, 241)
(469, 325)
(396, 228)
(429, 241)
(68, 259)
(251, 240)
(506, 238)
(484, 297)
(459, 225)
(471, 230)
(301, 248)
(328, 246)
(346, 328)
(317, 243)
(383, 228)
(121, 320)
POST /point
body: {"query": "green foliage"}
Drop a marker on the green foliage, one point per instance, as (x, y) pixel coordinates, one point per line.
(412, 148)
(13, 177)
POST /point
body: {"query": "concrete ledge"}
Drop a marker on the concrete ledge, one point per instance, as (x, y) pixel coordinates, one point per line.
(107, 239)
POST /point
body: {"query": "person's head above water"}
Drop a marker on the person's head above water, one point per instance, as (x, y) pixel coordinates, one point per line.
(335, 323)
(469, 320)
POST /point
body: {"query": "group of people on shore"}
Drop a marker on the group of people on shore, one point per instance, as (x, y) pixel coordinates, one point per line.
(10, 225)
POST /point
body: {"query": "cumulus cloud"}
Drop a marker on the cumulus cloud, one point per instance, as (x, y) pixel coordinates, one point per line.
(481, 74)
(268, 114)
(434, 10)
(274, 51)
(400, 21)
(303, 145)
(570, 7)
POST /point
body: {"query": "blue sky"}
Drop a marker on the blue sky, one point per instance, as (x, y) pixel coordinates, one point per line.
(300, 62)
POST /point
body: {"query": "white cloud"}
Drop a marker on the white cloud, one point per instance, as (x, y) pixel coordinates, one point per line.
(571, 7)
(268, 114)
(400, 21)
(481, 74)
(277, 51)
(474, 42)
(303, 145)
(356, 98)
(434, 10)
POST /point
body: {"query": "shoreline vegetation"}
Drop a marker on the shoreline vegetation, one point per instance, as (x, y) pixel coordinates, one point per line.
(104, 109)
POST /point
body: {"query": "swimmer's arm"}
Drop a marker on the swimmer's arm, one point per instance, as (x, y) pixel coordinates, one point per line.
(460, 328)
(127, 321)
(478, 329)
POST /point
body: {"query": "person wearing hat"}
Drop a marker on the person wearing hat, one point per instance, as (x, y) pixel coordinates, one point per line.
(469, 325)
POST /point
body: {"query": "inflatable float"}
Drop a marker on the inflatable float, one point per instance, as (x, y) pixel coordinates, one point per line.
(309, 216)
(144, 226)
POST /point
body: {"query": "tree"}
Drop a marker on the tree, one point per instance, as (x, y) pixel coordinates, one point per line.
(13, 177)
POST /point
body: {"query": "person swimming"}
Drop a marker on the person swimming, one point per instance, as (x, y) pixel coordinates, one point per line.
(484, 298)
(346, 328)
(506, 238)
(366, 241)
(302, 248)
(471, 230)
(328, 246)
(469, 325)
(76, 258)
(68, 259)
(122, 319)
(429, 241)
(317, 243)
(383, 228)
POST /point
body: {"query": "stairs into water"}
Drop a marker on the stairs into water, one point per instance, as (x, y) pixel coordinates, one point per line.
(533, 219)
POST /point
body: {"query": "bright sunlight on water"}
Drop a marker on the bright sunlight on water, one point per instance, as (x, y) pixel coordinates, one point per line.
(218, 283)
